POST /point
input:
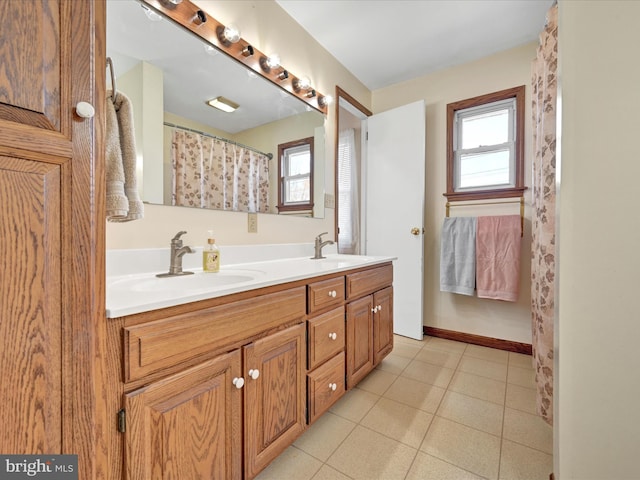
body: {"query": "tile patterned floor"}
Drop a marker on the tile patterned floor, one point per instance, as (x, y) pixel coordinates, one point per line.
(434, 409)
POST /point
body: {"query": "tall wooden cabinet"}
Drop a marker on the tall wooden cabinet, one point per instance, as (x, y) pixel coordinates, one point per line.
(51, 228)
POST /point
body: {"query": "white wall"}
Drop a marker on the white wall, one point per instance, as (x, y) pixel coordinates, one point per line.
(490, 318)
(270, 29)
(598, 323)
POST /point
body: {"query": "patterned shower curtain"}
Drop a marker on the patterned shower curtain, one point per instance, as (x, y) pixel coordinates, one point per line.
(543, 212)
(211, 173)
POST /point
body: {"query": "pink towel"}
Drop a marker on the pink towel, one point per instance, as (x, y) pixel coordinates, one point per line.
(498, 257)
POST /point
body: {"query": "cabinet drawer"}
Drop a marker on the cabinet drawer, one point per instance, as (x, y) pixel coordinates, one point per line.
(154, 346)
(326, 336)
(325, 386)
(368, 281)
(325, 294)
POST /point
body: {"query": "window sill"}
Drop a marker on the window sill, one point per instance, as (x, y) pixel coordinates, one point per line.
(485, 194)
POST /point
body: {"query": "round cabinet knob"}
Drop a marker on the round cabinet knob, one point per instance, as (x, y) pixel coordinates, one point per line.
(85, 110)
(379, 307)
(415, 231)
(333, 335)
(254, 373)
(238, 382)
(333, 387)
(333, 294)
(374, 309)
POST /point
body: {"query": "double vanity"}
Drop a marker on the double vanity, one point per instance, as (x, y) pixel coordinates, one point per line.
(218, 373)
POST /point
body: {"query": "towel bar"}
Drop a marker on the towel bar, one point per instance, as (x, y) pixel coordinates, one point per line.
(520, 201)
(113, 79)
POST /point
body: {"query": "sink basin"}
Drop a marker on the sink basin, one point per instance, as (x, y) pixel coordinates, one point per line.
(342, 261)
(197, 282)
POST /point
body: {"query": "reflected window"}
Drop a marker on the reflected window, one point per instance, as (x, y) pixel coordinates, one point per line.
(295, 176)
(485, 146)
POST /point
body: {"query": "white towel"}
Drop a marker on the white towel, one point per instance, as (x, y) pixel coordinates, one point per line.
(458, 255)
(124, 117)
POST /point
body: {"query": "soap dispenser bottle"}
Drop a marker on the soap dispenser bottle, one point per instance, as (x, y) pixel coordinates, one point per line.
(211, 255)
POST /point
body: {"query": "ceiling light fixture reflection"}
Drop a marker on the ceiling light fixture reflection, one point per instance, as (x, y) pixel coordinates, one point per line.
(211, 50)
(223, 104)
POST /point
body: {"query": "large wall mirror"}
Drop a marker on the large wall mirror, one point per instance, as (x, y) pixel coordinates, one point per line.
(169, 74)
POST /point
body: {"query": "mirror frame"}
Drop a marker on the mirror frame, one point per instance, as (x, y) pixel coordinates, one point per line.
(191, 17)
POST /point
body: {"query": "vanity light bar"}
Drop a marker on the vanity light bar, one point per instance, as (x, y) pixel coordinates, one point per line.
(190, 16)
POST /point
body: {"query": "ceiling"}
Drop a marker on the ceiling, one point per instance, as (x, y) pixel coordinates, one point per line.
(383, 42)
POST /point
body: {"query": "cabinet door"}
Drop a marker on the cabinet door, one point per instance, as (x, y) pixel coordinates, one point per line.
(51, 229)
(187, 425)
(382, 324)
(359, 340)
(275, 396)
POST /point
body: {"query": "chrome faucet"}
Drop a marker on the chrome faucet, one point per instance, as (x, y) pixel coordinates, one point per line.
(318, 246)
(177, 252)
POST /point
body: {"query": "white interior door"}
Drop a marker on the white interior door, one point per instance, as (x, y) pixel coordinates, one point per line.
(394, 205)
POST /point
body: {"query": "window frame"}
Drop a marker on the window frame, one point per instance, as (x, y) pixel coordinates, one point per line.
(481, 193)
(298, 206)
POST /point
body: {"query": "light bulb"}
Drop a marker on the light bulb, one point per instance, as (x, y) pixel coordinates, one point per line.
(231, 33)
(273, 60)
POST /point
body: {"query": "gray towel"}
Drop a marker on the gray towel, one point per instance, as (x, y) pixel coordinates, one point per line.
(124, 117)
(117, 202)
(458, 255)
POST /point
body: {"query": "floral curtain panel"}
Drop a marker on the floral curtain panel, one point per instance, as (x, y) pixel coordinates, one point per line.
(543, 217)
(211, 173)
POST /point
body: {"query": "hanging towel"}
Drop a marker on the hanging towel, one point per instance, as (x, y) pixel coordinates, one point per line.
(124, 114)
(498, 257)
(458, 255)
(117, 202)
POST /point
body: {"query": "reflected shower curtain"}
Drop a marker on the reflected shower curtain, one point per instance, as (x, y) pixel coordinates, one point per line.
(211, 173)
(543, 212)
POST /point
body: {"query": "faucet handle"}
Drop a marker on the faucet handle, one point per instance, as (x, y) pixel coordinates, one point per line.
(178, 235)
(319, 237)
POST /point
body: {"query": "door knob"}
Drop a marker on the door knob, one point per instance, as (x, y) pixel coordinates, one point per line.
(415, 231)
(85, 110)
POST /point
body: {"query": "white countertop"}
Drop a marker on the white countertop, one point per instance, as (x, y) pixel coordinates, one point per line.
(130, 293)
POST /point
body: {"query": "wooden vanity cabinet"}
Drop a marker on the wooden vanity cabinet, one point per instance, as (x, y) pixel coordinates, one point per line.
(369, 321)
(326, 345)
(188, 425)
(274, 396)
(218, 389)
(228, 415)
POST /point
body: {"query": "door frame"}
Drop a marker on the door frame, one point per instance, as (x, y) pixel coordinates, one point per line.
(345, 97)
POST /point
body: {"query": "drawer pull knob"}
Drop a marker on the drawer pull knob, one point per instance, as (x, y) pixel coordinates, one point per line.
(374, 309)
(333, 335)
(238, 382)
(379, 307)
(254, 373)
(333, 387)
(333, 294)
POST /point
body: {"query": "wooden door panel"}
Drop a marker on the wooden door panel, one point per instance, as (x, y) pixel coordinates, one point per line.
(30, 316)
(187, 425)
(32, 56)
(382, 324)
(359, 340)
(274, 401)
